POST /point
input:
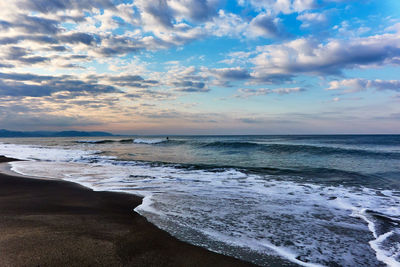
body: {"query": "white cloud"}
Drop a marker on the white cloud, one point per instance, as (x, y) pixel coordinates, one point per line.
(281, 6)
(194, 10)
(226, 24)
(245, 93)
(302, 5)
(311, 19)
(183, 79)
(264, 25)
(355, 85)
(311, 57)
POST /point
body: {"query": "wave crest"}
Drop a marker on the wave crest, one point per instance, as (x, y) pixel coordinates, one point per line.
(150, 141)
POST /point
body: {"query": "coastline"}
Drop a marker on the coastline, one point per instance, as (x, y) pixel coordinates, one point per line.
(54, 222)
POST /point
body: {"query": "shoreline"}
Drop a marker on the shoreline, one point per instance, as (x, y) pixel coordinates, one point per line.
(55, 222)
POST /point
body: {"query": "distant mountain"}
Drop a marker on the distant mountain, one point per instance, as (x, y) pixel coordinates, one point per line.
(6, 133)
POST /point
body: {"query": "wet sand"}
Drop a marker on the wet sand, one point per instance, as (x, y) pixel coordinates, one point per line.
(57, 223)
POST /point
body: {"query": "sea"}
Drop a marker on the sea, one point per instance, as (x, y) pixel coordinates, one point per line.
(318, 200)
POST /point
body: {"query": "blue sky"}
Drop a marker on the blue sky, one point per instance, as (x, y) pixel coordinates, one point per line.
(200, 67)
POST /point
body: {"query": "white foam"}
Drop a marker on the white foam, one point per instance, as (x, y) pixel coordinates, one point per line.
(382, 254)
(147, 205)
(230, 206)
(261, 246)
(387, 193)
(149, 141)
(361, 214)
(31, 152)
(89, 141)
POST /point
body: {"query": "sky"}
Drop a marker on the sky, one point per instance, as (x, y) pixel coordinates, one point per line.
(201, 66)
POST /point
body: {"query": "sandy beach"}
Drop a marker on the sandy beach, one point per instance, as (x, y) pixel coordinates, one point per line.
(57, 223)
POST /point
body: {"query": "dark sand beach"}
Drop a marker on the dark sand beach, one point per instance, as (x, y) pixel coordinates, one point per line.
(57, 223)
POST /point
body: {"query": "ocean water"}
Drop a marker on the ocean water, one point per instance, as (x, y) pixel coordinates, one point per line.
(312, 200)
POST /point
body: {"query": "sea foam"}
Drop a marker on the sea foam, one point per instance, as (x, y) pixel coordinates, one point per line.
(149, 141)
(233, 212)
